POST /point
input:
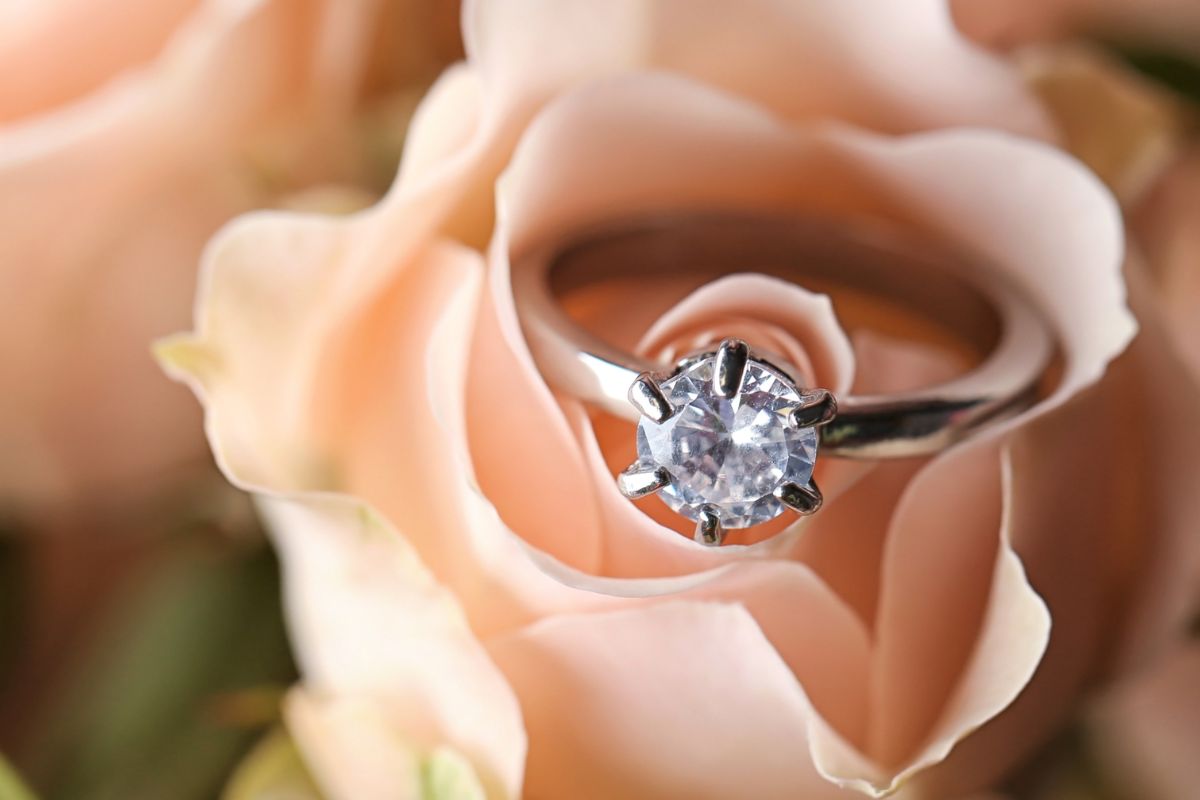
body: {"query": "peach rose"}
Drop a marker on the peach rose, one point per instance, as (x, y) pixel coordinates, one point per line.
(128, 135)
(471, 599)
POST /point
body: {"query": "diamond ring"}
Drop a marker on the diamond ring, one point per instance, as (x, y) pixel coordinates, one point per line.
(727, 440)
(729, 437)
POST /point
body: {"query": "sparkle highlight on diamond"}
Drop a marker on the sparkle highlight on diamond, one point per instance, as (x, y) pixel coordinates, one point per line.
(728, 454)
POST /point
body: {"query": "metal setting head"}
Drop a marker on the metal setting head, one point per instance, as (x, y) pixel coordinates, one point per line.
(803, 499)
(727, 440)
(733, 356)
(647, 397)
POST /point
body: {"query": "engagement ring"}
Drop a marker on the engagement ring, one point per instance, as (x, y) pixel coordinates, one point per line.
(729, 437)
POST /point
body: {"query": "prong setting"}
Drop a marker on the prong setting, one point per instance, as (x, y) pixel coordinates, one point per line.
(817, 407)
(803, 499)
(733, 356)
(709, 530)
(640, 480)
(727, 440)
(647, 397)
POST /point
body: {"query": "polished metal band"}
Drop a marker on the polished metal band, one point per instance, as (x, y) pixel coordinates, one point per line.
(969, 299)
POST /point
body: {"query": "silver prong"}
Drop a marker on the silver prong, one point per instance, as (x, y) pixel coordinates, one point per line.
(708, 527)
(641, 480)
(649, 399)
(805, 499)
(817, 407)
(730, 367)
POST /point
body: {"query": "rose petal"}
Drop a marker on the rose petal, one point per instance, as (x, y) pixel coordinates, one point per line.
(1071, 270)
(257, 356)
(1161, 407)
(33, 37)
(813, 336)
(678, 700)
(960, 631)
(443, 124)
(358, 752)
(369, 622)
(548, 499)
(844, 543)
(1164, 225)
(1060, 532)
(801, 60)
(142, 171)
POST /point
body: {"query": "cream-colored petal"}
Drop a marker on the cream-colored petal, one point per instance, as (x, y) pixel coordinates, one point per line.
(371, 625)
(443, 124)
(358, 753)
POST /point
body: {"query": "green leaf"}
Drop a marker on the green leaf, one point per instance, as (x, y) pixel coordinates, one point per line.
(446, 775)
(274, 770)
(11, 785)
(161, 708)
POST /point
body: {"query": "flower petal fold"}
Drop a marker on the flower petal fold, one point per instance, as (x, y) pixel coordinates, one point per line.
(372, 626)
(683, 699)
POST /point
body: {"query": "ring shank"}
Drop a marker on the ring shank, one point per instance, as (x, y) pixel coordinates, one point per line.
(971, 300)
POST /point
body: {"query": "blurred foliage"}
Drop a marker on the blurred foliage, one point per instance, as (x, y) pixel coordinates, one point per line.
(177, 686)
(14, 590)
(11, 785)
(1067, 769)
(446, 775)
(273, 770)
(1175, 72)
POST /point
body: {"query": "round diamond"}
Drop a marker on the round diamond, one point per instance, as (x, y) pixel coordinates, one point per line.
(730, 453)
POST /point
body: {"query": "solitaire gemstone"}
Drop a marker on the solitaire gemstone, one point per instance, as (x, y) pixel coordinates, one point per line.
(730, 453)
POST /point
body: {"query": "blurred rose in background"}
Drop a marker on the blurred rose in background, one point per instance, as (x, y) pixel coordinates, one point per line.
(458, 635)
(129, 132)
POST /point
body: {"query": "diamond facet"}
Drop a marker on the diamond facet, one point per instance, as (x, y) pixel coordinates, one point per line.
(728, 454)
